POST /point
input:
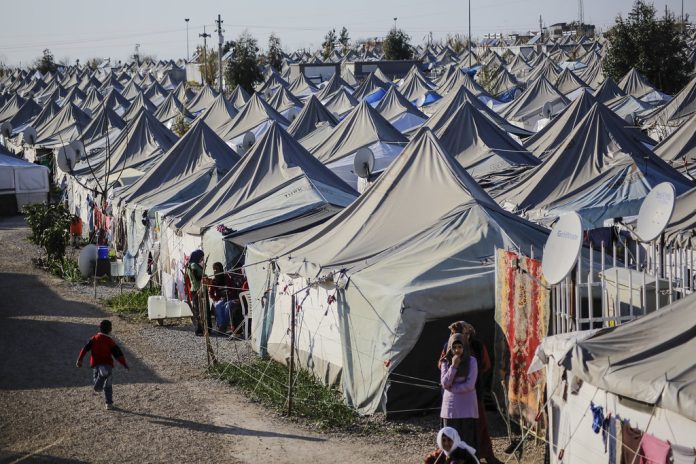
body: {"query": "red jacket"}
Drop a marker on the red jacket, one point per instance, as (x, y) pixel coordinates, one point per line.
(103, 349)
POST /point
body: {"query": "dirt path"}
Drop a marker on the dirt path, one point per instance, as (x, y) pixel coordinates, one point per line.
(166, 413)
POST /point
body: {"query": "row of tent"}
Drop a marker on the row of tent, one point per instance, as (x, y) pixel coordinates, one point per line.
(388, 256)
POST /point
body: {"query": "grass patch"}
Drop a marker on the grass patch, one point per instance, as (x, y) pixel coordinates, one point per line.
(132, 303)
(266, 381)
(64, 267)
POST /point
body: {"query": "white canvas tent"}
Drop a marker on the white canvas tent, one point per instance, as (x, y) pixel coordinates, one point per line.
(21, 183)
(641, 373)
(392, 269)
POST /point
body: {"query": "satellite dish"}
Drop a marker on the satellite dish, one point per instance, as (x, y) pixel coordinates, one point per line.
(79, 148)
(655, 212)
(66, 157)
(630, 119)
(29, 135)
(292, 114)
(562, 248)
(248, 140)
(364, 162)
(547, 110)
(6, 129)
(87, 261)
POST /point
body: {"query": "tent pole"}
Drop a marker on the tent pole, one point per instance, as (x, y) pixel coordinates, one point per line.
(291, 371)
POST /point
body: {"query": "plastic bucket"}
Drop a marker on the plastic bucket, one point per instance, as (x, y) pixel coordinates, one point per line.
(103, 252)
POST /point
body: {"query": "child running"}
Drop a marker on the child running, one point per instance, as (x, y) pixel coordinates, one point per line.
(103, 349)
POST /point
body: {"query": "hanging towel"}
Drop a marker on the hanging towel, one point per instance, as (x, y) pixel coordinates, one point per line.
(597, 417)
(683, 455)
(654, 450)
(631, 444)
(614, 441)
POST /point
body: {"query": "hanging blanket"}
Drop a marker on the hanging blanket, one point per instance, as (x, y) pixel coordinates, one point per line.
(522, 316)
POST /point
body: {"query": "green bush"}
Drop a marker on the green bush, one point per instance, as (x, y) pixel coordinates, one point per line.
(266, 381)
(50, 227)
(65, 268)
(133, 303)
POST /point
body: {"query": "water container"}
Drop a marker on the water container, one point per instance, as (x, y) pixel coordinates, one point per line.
(173, 309)
(103, 252)
(156, 307)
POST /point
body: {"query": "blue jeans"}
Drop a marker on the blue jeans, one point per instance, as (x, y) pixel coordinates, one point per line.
(222, 315)
(102, 381)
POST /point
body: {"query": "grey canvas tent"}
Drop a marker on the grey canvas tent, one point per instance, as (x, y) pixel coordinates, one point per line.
(670, 116)
(255, 117)
(682, 226)
(277, 188)
(679, 148)
(370, 85)
(63, 128)
(363, 127)
(487, 153)
(139, 103)
(340, 103)
(540, 100)
(648, 360)
(399, 111)
(312, 114)
(557, 131)
(444, 108)
(104, 122)
(332, 86)
(138, 146)
(608, 91)
(600, 172)
(396, 273)
(301, 87)
(170, 109)
(219, 114)
(239, 97)
(192, 165)
(202, 100)
(635, 84)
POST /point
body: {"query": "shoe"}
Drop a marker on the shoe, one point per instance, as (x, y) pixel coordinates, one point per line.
(199, 333)
(110, 407)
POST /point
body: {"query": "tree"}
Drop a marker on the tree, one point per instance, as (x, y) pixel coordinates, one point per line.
(46, 63)
(397, 45)
(329, 43)
(275, 53)
(486, 76)
(180, 126)
(227, 46)
(654, 47)
(208, 64)
(457, 43)
(344, 39)
(93, 63)
(242, 68)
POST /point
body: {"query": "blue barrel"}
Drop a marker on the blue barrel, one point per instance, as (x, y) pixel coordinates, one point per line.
(103, 252)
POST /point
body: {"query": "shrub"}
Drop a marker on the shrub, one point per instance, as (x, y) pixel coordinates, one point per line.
(266, 381)
(50, 227)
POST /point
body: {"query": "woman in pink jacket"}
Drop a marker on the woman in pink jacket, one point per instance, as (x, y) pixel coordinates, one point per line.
(458, 374)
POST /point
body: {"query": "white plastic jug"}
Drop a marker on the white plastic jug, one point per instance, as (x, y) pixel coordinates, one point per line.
(156, 307)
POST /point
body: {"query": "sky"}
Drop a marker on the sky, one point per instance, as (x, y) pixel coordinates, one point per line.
(82, 29)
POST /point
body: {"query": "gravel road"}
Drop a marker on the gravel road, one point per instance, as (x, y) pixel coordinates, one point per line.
(167, 409)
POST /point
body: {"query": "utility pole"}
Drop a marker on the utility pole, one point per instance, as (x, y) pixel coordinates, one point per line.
(188, 57)
(220, 39)
(395, 23)
(205, 55)
(541, 30)
(469, 33)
